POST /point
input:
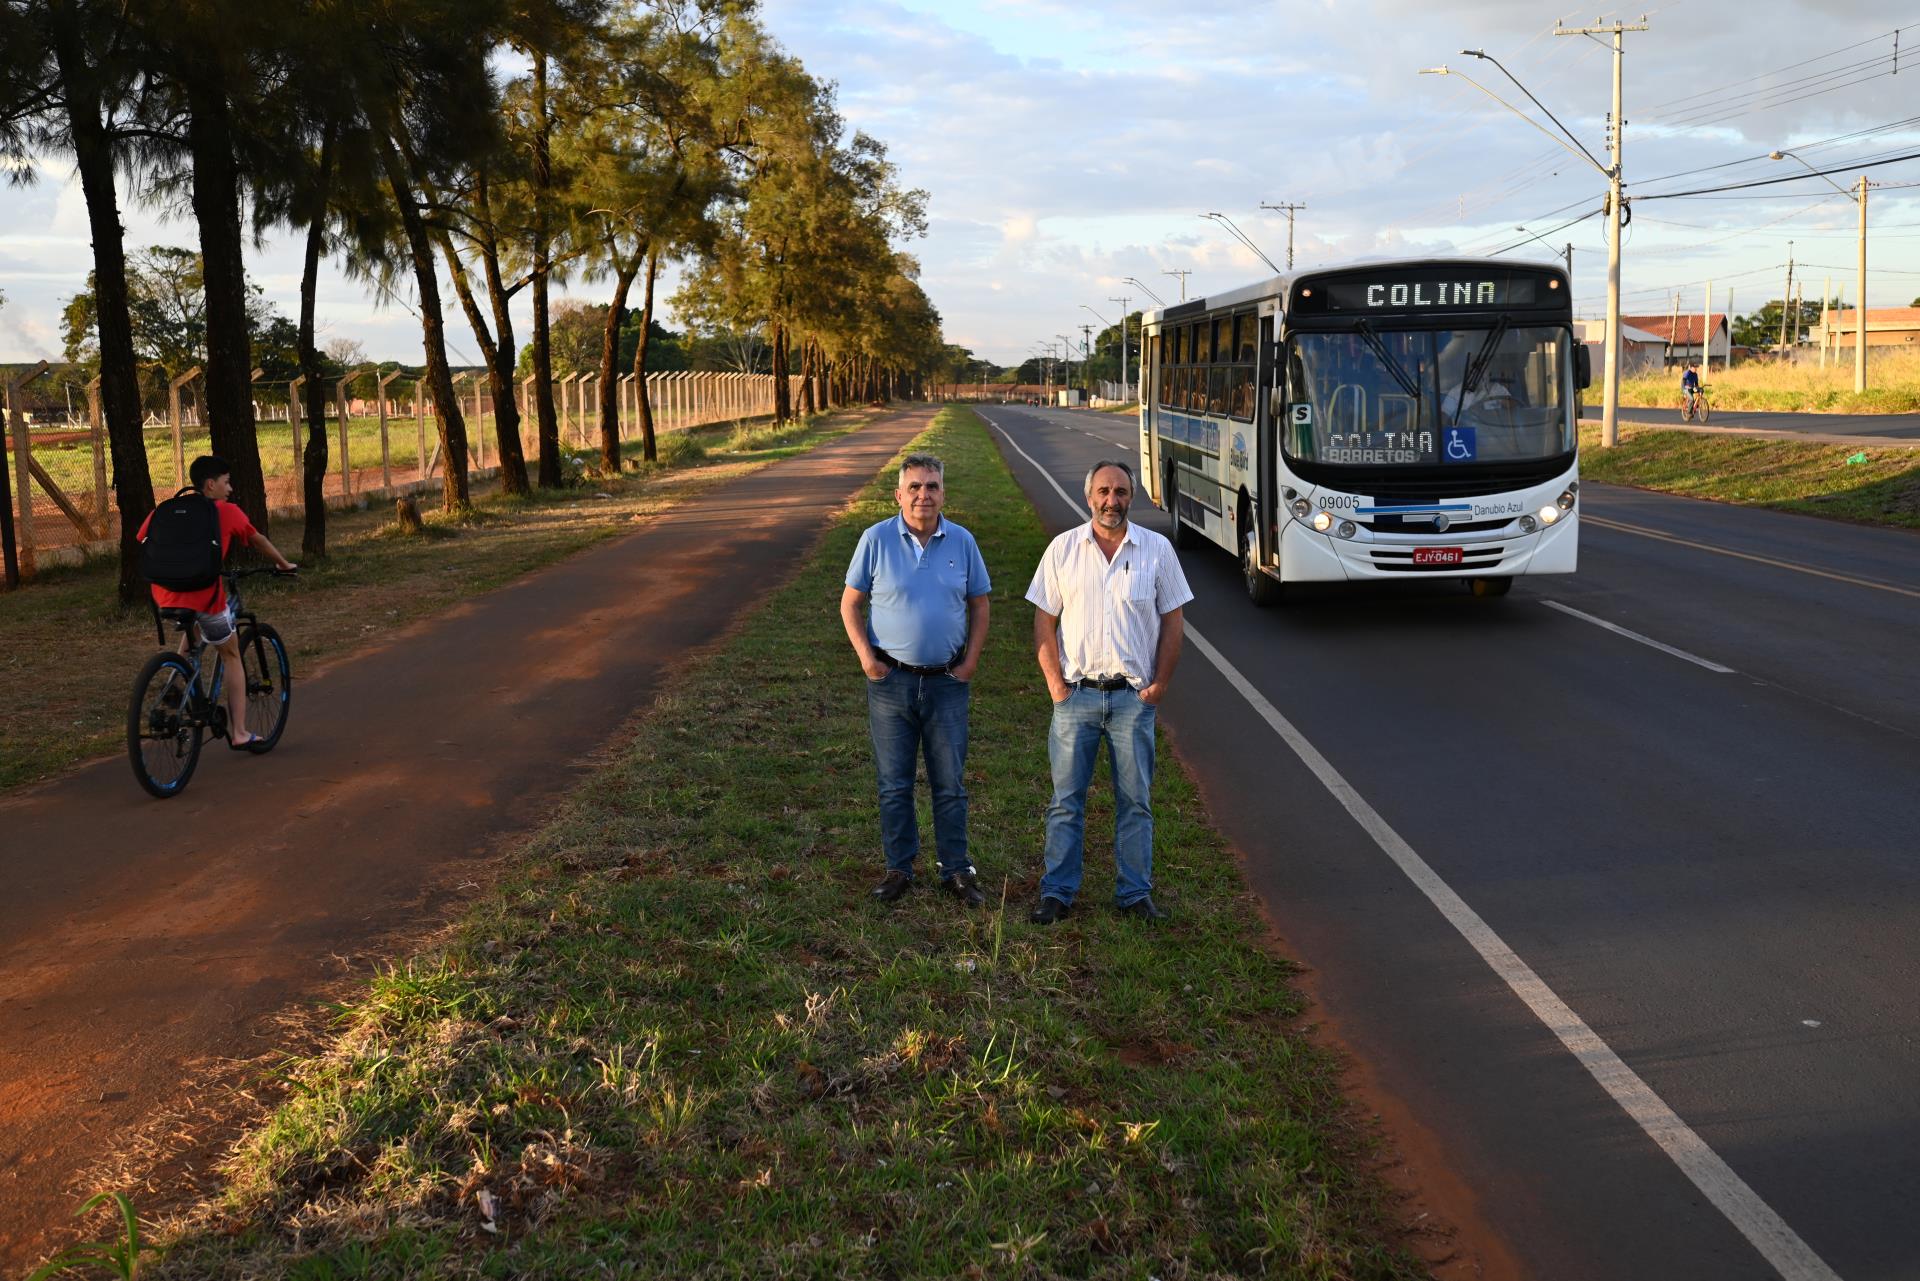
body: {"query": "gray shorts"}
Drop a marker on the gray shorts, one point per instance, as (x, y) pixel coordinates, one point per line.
(216, 629)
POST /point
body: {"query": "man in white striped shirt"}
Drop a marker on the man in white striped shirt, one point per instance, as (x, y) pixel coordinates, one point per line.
(1108, 600)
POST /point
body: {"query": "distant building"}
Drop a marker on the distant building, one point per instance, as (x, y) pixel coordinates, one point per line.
(1640, 352)
(1680, 335)
(1887, 328)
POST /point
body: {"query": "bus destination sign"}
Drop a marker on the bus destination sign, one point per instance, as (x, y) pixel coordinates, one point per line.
(1435, 289)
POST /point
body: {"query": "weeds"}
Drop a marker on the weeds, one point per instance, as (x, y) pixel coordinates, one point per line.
(119, 1257)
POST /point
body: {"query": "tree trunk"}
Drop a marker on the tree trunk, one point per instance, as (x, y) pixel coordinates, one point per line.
(609, 375)
(506, 413)
(119, 367)
(782, 399)
(649, 448)
(549, 423)
(216, 207)
(806, 378)
(453, 427)
(506, 354)
(313, 461)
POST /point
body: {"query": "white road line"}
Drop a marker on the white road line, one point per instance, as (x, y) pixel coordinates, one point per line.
(1765, 1230)
(1618, 630)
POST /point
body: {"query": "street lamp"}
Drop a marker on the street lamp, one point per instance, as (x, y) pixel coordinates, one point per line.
(1610, 411)
(1066, 359)
(1142, 287)
(1125, 323)
(1241, 236)
(1860, 305)
(1122, 338)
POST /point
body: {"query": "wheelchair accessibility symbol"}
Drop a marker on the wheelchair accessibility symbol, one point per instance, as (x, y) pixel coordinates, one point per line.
(1460, 447)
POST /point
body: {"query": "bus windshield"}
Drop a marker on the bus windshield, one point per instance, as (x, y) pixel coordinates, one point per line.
(1499, 393)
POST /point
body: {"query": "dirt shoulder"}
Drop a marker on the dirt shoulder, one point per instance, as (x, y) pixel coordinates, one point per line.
(146, 940)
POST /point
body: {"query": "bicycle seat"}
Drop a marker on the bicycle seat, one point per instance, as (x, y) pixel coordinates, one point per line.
(184, 617)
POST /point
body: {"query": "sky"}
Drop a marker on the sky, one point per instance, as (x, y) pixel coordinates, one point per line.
(1065, 148)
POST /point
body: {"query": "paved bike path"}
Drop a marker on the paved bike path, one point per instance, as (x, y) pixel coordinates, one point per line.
(141, 938)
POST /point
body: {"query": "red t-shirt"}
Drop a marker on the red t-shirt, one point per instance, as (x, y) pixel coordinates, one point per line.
(234, 527)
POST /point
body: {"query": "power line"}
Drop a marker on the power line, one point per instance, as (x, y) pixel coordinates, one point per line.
(1792, 66)
(1773, 182)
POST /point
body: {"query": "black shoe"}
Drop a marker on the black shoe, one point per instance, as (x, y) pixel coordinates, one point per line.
(892, 885)
(1144, 909)
(1049, 910)
(964, 886)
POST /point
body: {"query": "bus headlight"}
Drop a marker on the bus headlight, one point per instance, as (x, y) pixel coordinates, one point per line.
(1549, 514)
(1348, 529)
(1565, 500)
(1528, 524)
(1323, 520)
(1301, 509)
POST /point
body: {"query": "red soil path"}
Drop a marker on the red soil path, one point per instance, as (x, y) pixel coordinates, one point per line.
(142, 940)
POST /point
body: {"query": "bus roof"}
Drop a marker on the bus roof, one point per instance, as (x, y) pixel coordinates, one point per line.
(1280, 286)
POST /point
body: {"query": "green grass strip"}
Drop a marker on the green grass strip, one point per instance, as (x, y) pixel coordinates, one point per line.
(681, 1041)
(1872, 485)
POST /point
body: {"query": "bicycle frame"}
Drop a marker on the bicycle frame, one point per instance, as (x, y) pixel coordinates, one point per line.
(203, 703)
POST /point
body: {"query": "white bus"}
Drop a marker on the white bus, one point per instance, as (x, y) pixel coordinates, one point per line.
(1371, 422)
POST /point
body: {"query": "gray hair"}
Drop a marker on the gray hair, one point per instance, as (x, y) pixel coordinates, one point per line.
(1107, 462)
(922, 462)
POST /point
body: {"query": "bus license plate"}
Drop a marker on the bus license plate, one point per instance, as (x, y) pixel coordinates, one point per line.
(1437, 555)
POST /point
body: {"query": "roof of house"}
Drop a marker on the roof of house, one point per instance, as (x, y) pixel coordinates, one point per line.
(1685, 329)
(1596, 331)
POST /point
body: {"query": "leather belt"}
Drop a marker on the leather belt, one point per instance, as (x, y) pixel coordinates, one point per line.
(1108, 683)
(912, 669)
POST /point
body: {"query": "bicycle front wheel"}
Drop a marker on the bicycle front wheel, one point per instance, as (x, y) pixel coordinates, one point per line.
(269, 683)
(163, 734)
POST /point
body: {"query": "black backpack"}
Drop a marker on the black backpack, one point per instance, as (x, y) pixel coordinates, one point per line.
(182, 551)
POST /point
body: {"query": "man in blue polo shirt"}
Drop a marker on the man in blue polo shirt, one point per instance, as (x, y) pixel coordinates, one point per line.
(924, 587)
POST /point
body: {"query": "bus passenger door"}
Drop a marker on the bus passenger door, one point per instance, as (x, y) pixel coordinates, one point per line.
(1269, 378)
(1150, 374)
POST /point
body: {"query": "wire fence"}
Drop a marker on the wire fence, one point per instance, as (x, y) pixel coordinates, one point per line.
(60, 487)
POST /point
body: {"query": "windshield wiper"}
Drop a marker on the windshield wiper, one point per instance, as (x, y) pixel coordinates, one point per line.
(1407, 384)
(1478, 366)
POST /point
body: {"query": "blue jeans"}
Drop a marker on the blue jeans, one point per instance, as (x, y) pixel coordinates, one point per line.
(1079, 724)
(910, 716)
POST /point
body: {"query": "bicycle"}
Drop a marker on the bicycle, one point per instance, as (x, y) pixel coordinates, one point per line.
(1694, 405)
(175, 702)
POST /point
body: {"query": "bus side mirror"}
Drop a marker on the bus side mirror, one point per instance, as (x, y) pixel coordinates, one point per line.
(1582, 367)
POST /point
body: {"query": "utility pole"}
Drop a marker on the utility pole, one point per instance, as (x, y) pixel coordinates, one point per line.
(1729, 364)
(1673, 325)
(1615, 210)
(1123, 338)
(1786, 299)
(1287, 209)
(1706, 329)
(1826, 319)
(1569, 264)
(1183, 273)
(1860, 315)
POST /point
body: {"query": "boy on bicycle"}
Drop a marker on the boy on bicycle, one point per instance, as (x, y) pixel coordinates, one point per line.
(1690, 385)
(213, 478)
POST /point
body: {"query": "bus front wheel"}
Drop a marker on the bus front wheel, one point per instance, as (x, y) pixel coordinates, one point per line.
(1489, 587)
(1262, 589)
(1182, 536)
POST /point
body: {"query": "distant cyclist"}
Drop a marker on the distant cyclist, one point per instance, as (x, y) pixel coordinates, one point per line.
(1690, 387)
(212, 477)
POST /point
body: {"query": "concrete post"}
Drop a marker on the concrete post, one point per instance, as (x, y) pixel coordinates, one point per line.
(420, 420)
(98, 425)
(173, 420)
(386, 449)
(340, 409)
(479, 424)
(296, 414)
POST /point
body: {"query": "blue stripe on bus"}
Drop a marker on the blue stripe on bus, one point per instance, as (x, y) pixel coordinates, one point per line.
(1416, 507)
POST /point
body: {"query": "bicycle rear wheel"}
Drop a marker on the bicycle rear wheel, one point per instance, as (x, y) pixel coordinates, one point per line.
(269, 684)
(163, 735)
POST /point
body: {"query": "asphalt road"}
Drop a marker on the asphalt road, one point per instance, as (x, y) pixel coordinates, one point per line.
(1848, 427)
(1631, 933)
